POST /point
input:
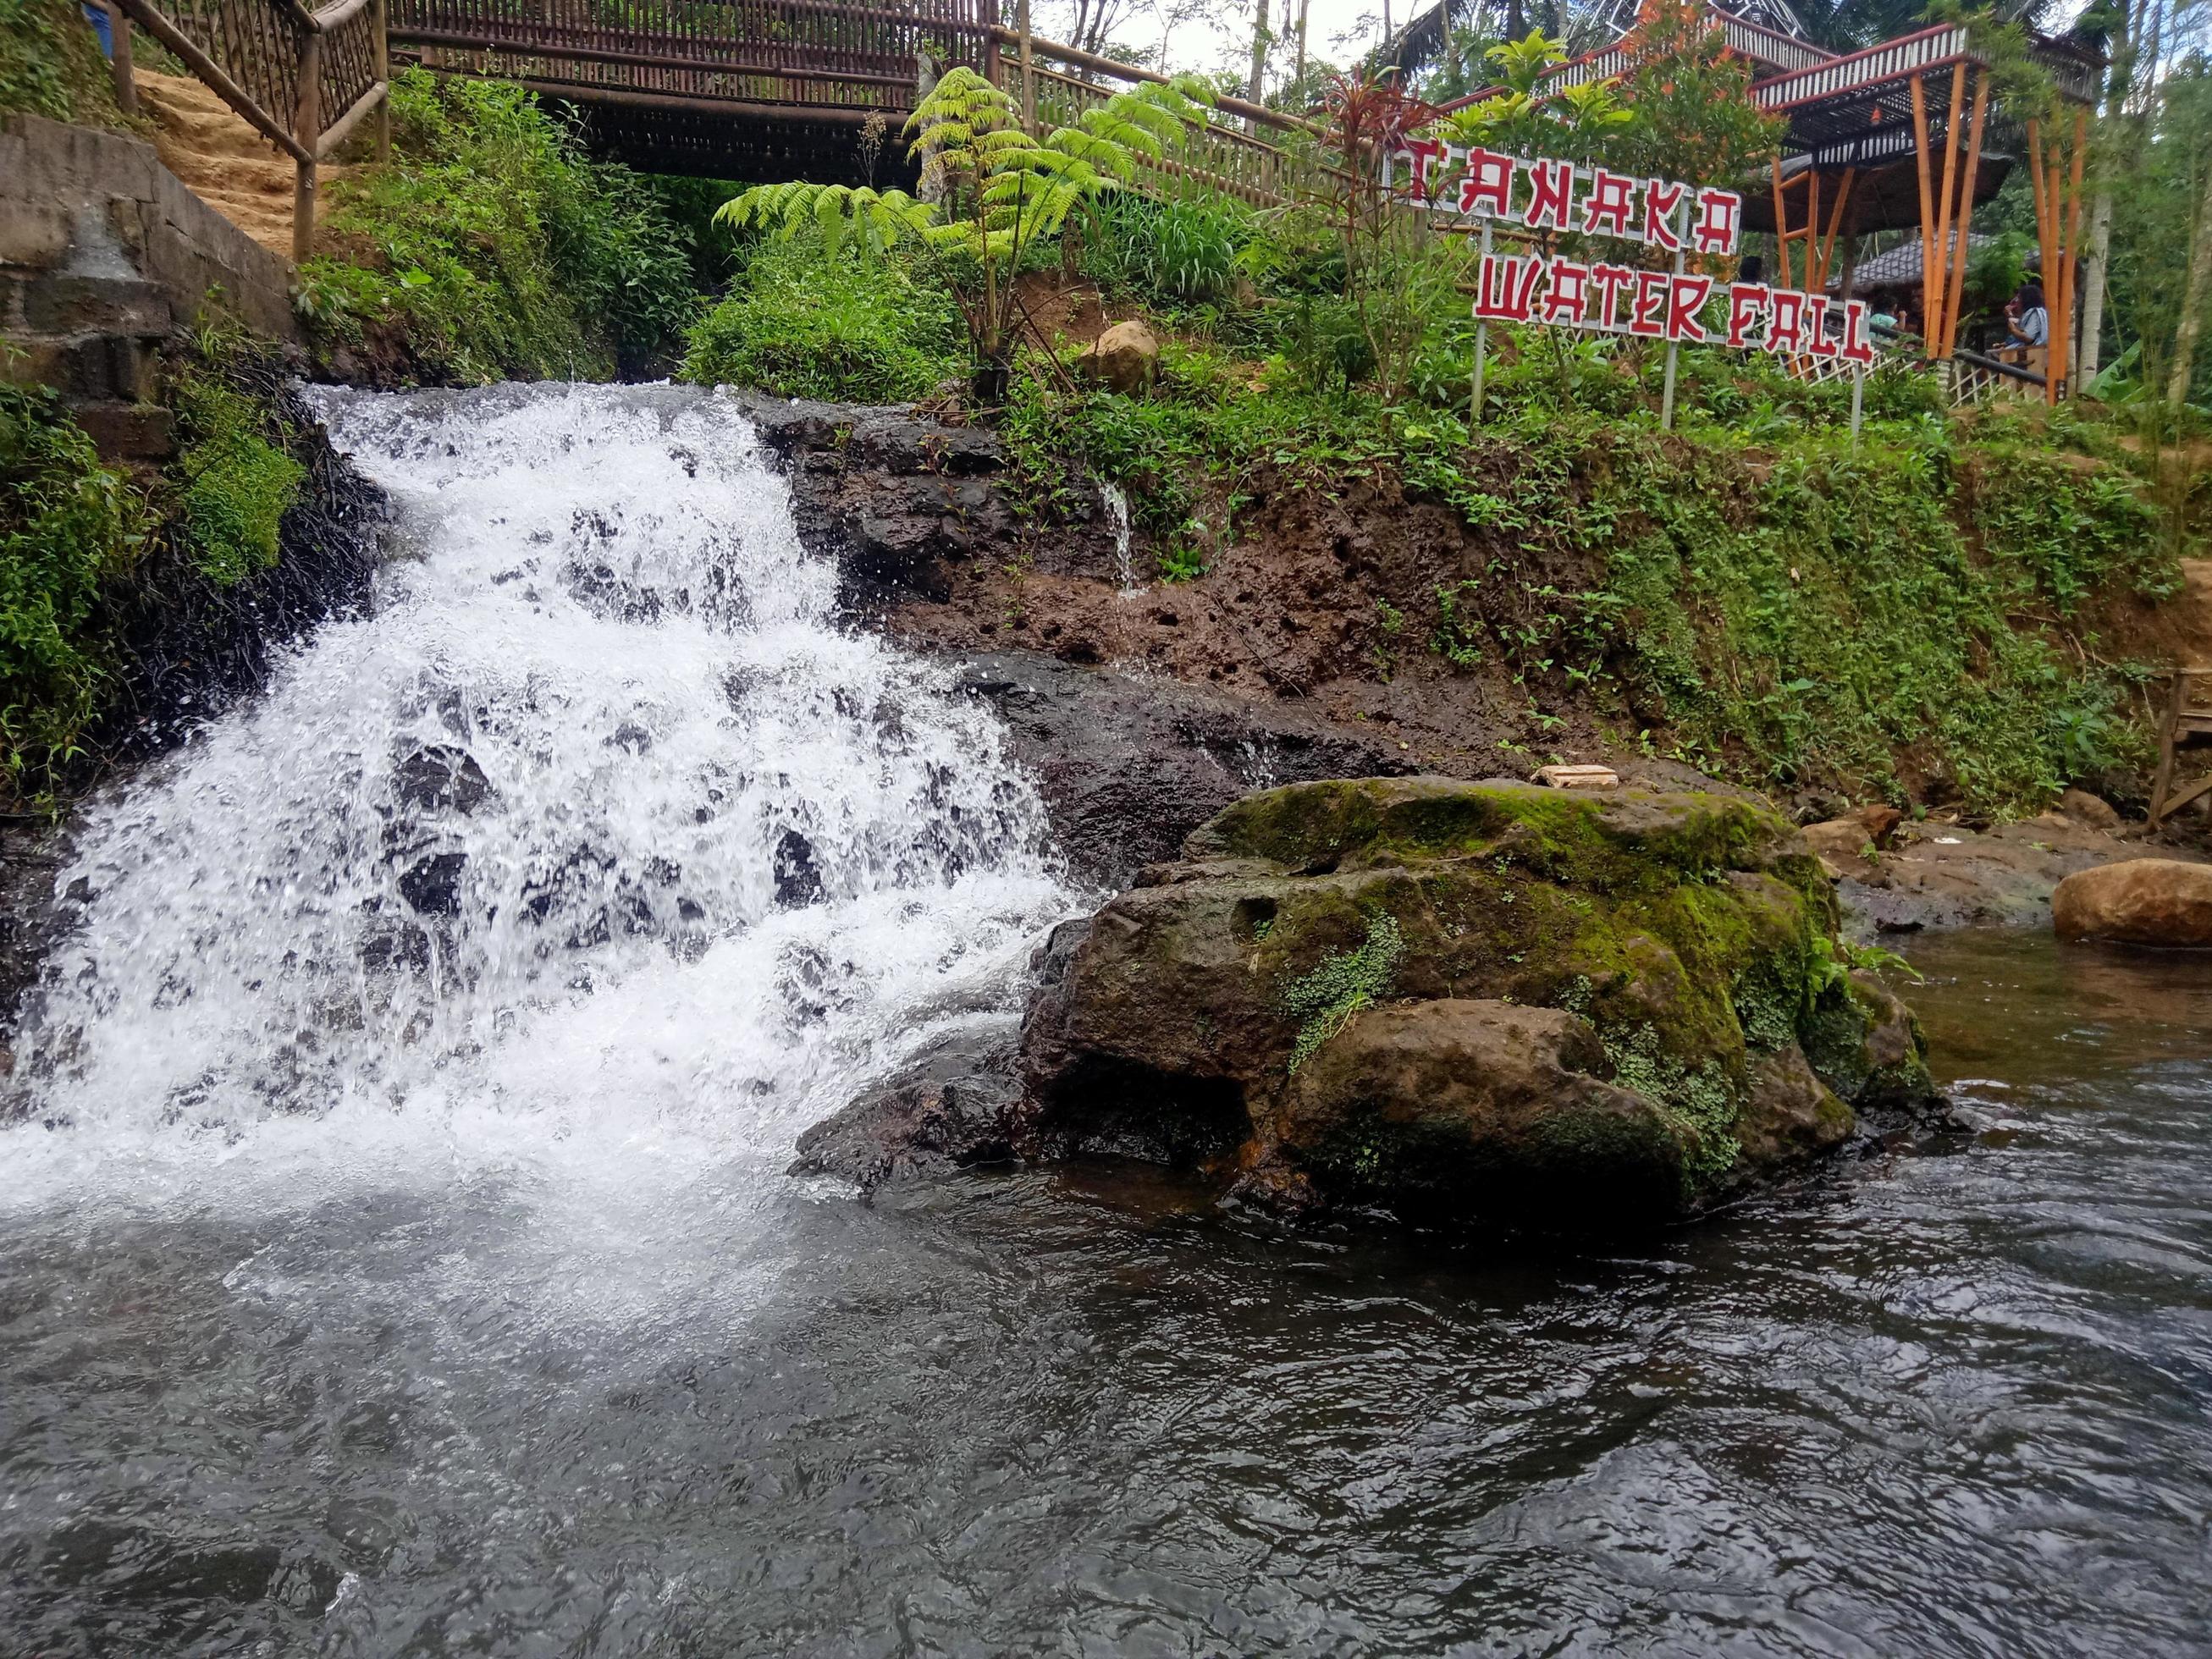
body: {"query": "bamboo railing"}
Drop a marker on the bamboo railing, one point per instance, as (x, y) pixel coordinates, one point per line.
(288, 71)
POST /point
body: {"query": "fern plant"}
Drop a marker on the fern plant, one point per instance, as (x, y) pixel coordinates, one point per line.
(999, 190)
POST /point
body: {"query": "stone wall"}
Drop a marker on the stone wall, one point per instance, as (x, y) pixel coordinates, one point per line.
(104, 254)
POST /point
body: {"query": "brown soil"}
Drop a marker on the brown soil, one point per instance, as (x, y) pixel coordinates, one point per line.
(1325, 601)
(223, 160)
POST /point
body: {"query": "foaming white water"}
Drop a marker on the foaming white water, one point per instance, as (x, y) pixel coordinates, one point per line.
(597, 848)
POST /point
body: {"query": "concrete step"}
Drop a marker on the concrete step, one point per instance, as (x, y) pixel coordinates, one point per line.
(99, 366)
(127, 432)
(55, 304)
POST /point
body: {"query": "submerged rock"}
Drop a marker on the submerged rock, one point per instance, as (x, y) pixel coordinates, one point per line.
(951, 1106)
(2140, 902)
(1470, 1003)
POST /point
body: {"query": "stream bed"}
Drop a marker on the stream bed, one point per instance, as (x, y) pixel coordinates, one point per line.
(395, 1255)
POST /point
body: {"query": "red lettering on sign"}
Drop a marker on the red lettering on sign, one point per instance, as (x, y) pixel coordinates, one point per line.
(1610, 204)
(1648, 317)
(1661, 200)
(1569, 293)
(1720, 221)
(1787, 331)
(1747, 307)
(1551, 192)
(1686, 298)
(1487, 189)
(1857, 349)
(1508, 287)
(1607, 282)
(1816, 327)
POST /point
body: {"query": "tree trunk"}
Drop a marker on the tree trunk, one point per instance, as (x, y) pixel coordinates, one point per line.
(1258, 83)
(2092, 284)
(2193, 303)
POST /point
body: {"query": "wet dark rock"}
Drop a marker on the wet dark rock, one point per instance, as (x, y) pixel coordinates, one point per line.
(798, 876)
(432, 886)
(439, 777)
(950, 1107)
(1468, 1004)
(1127, 767)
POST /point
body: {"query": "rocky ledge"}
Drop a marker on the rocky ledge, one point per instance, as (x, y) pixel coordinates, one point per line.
(1453, 1003)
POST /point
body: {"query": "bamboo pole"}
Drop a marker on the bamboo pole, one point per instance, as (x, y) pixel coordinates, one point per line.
(381, 28)
(1029, 60)
(1835, 225)
(306, 128)
(2060, 328)
(1812, 225)
(1927, 208)
(1937, 324)
(1973, 170)
(1781, 228)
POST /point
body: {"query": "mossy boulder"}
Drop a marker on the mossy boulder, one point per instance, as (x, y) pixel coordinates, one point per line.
(1472, 1002)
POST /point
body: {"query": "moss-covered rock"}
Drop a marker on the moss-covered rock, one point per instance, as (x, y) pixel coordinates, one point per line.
(1475, 1001)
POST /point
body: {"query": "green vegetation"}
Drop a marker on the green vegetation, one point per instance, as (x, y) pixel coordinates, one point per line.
(492, 248)
(51, 64)
(803, 323)
(68, 526)
(235, 484)
(84, 546)
(1345, 981)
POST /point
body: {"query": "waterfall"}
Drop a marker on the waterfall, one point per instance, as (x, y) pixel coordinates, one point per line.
(1117, 513)
(597, 826)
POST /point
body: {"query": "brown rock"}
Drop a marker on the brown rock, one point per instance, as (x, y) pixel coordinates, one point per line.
(2139, 901)
(2093, 811)
(1473, 1109)
(1126, 357)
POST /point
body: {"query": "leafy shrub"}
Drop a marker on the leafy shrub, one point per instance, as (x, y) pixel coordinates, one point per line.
(67, 524)
(1175, 252)
(236, 484)
(492, 248)
(804, 323)
(51, 64)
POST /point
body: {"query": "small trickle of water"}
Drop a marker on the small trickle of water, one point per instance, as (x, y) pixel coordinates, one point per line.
(599, 823)
(1117, 511)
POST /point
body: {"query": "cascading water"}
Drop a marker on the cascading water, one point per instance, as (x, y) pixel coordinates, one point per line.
(598, 822)
(1117, 511)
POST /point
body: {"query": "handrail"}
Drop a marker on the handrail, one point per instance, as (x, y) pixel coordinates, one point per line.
(1092, 61)
(281, 66)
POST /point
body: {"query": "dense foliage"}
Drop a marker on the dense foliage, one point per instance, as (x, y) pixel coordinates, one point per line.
(51, 64)
(803, 323)
(491, 247)
(86, 550)
(67, 525)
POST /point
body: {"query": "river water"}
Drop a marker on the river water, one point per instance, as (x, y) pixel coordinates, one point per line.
(395, 1257)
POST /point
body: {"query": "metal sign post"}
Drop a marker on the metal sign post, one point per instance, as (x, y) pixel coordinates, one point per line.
(1858, 404)
(1481, 348)
(1674, 351)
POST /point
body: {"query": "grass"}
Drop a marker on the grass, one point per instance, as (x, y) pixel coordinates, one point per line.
(802, 324)
(51, 64)
(492, 248)
(68, 527)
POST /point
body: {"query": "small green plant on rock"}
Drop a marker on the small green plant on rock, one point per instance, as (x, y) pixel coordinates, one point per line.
(1346, 981)
(237, 485)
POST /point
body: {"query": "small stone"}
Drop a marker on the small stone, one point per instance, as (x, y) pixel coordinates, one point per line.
(798, 876)
(2091, 811)
(1125, 358)
(1578, 777)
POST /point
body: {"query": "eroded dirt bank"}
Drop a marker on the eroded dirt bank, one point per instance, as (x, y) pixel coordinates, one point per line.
(1144, 707)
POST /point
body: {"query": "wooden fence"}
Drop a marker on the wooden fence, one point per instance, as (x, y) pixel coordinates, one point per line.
(305, 80)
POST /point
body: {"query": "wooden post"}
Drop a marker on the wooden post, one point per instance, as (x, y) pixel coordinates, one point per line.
(1965, 215)
(1812, 226)
(1927, 212)
(379, 25)
(118, 64)
(307, 130)
(1028, 78)
(1835, 227)
(1940, 290)
(2042, 181)
(1781, 228)
(2060, 326)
